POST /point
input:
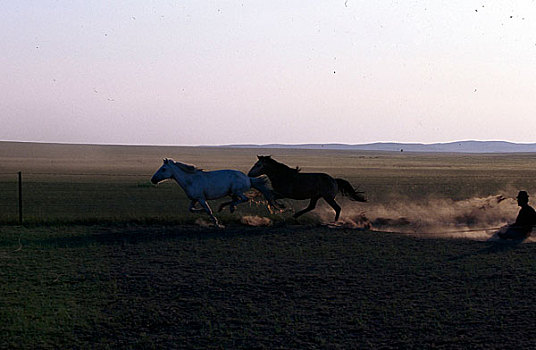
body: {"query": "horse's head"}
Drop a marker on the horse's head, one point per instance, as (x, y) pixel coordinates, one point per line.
(259, 168)
(163, 173)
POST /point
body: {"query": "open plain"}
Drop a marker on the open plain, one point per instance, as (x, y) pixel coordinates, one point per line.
(106, 260)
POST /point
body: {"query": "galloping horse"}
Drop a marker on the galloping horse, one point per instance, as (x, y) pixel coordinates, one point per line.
(201, 185)
(290, 183)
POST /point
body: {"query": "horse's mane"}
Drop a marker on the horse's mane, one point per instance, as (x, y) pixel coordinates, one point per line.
(187, 168)
(281, 166)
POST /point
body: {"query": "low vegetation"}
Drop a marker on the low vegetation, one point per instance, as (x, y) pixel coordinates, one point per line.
(301, 287)
(66, 184)
(106, 260)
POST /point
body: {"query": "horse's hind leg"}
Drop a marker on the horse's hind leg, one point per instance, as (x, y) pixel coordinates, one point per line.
(311, 206)
(192, 207)
(334, 205)
(237, 199)
(223, 205)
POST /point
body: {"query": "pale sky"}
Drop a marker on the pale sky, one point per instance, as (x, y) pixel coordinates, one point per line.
(231, 72)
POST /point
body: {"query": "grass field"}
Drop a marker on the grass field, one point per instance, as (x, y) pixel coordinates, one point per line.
(107, 260)
(281, 287)
(94, 183)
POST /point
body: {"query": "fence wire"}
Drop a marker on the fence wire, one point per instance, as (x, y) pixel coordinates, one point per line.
(56, 196)
(52, 196)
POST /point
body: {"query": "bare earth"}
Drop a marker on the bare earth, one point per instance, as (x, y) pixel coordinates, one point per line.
(277, 287)
(140, 274)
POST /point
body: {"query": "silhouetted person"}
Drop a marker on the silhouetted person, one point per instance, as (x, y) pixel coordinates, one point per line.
(526, 219)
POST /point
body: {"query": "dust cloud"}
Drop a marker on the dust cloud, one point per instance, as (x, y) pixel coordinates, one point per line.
(478, 218)
(203, 223)
(255, 221)
(249, 220)
(475, 218)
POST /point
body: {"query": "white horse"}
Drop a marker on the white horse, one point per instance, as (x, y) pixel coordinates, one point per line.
(201, 185)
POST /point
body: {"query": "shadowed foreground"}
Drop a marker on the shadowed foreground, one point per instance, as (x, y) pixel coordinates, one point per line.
(278, 287)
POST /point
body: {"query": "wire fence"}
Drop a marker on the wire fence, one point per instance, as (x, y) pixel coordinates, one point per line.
(53, 197)
(46, 196)
(28, 197)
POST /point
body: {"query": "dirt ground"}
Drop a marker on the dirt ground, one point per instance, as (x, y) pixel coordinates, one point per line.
(280, 287)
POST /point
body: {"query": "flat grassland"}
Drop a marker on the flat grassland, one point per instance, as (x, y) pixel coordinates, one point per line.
(70, 183)
(108, 261)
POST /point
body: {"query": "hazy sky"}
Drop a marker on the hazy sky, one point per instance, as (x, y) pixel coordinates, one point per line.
(225, 72)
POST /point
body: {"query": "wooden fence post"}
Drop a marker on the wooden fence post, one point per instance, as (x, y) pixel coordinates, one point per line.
(20, 198)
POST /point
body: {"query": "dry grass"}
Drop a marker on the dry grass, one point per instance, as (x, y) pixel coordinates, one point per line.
(141, 274)
(111, 183)
(278, 287)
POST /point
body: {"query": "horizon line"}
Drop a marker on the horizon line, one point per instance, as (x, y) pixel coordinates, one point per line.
(263, 144)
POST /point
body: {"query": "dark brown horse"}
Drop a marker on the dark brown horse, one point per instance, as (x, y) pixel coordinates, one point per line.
(291, 183)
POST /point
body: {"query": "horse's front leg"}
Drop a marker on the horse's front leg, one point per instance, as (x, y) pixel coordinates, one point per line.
(192, 207)
(205, 206)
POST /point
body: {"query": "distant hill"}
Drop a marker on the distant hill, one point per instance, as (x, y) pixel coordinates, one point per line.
(42, 150)
(450, 147)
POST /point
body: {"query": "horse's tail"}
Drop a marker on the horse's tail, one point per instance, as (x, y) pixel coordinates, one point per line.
(347, 190)
(261, 184)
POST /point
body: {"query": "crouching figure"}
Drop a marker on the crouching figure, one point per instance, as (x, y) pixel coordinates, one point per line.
(525, 221)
